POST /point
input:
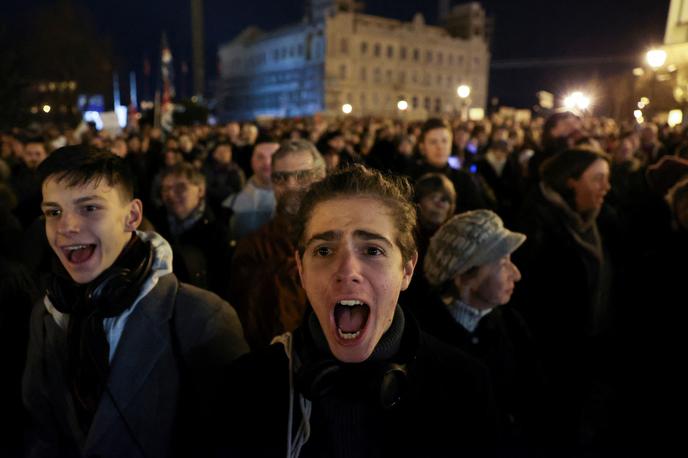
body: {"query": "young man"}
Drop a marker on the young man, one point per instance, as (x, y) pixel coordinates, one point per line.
(255, 204)
(435, 144)
(357, 377)
(122, 358)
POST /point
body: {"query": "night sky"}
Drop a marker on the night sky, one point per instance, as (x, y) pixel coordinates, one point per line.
(523, 30)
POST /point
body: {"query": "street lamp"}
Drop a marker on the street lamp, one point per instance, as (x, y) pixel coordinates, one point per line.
(577, 101)
(347, 108)
(464, 91)
(402, 105)
(655, 59)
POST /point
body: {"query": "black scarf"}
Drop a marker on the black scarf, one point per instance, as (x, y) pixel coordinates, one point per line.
(108, 295)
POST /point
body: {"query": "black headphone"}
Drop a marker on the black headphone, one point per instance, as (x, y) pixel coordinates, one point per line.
(383, 382)
(112, 291)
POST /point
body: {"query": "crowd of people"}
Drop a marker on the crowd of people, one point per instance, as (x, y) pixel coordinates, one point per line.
(351, 287)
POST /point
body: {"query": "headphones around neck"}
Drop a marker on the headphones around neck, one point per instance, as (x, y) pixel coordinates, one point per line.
(384, 382)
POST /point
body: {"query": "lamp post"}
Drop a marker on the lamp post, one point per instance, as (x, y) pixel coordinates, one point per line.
(464, 91)
(655, 59)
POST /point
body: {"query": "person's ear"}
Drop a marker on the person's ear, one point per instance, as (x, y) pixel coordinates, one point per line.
(134, 215)
(408, 269)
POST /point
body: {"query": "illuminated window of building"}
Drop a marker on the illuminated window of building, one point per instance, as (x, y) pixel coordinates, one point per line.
(376, 50)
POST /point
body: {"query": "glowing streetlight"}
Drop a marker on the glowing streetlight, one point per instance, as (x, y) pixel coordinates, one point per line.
(656, 58)
(46, 108)
(402, 105)
(347, 108)
(577, 101)
(463, 91)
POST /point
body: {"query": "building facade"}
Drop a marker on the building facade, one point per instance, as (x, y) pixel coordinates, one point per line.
(339, 55)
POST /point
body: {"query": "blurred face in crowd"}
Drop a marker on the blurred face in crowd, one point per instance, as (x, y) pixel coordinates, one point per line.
(261, 162)
(172, 157)
(436, 146)
(180, 196)
(492, 285)
(291, 177)
(233, 131)
(249, 133)
(89, 225)
(185, 143)
(223, 154)
(434, 209)
(591, 187)
(34, 153)
(337, 143)
(134, 144)
(352, 271)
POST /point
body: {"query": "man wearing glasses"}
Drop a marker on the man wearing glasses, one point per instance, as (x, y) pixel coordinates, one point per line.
(264, 285)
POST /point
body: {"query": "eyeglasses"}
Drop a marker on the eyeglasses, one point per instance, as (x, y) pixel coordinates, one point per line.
(300, 176)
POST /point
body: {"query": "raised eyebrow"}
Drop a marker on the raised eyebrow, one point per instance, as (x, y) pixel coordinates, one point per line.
(327, 236)
(366, 235)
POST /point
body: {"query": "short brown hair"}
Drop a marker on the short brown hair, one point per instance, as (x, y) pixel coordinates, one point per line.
(185, 170)
(358, 181)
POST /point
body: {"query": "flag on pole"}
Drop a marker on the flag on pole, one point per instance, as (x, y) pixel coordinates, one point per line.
(167, 79)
